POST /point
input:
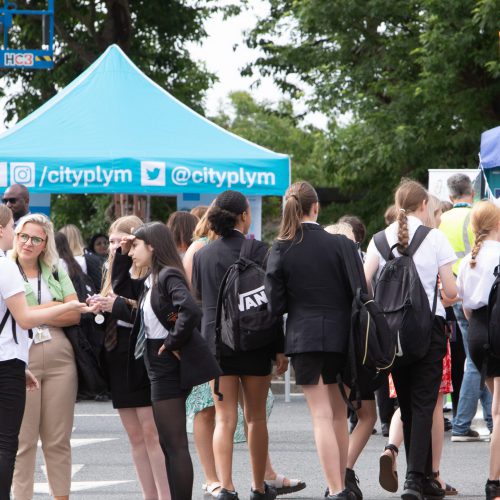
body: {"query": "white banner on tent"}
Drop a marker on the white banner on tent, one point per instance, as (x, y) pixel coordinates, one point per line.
(438, 180)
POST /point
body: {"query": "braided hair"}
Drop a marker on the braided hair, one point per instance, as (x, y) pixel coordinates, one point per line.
(485, 217)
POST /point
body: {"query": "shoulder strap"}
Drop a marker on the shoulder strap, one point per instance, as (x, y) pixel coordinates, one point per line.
(4, 320)
(419, 236)
(382, 245)
(354, 268)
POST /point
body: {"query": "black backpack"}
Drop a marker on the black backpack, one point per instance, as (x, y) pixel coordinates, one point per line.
(243, 322)
(494, 316)
(403, 299)
(372, 344)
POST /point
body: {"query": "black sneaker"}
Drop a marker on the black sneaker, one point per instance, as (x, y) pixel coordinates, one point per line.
(492, 489)
(227, 495)
(269, 493)
(352, 483)
(412, 489)
(432, 489)
(343, 495)
(469, 436)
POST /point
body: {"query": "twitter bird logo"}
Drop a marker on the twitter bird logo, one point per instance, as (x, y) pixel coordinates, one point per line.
(153, 173)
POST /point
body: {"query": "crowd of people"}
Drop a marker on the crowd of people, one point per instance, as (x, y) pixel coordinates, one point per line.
(146, 298)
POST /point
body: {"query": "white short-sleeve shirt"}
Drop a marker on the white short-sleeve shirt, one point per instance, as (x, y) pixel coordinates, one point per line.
(434, 252)
(11, 283)
(474, 284)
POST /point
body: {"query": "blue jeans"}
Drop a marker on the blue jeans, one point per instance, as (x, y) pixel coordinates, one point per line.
(470, 391)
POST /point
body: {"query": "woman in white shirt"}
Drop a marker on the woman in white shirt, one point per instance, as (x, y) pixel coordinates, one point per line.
(475, 279)
(417, 384)
(14, 346)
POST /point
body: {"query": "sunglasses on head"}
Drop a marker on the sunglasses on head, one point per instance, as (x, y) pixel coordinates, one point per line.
(8, 200)
(35, 240)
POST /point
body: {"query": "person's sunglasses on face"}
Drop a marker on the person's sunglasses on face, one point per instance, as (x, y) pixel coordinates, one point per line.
(9, 200)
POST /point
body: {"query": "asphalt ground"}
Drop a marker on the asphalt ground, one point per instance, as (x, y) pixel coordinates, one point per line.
(103, 468)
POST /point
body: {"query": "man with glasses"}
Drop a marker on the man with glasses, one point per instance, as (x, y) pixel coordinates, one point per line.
(17, 198)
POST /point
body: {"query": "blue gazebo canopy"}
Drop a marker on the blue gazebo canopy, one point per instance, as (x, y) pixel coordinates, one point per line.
(113, 130)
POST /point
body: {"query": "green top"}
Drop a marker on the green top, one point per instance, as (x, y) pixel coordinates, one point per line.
(59, 289)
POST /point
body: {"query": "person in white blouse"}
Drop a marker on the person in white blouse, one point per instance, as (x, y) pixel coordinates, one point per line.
(475, 279)
(16, 319)
(417, 384)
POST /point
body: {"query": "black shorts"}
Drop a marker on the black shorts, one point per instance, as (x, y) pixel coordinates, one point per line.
(478, 340)
(163, 372)
(308, 366)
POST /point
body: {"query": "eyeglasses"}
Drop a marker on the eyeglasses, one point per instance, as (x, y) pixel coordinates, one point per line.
(35, 240)
(8, 200)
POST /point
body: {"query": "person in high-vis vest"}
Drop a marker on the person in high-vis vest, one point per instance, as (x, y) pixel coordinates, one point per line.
(455, 224)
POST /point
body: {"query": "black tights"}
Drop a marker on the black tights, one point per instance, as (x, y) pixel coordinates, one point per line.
(170, 419)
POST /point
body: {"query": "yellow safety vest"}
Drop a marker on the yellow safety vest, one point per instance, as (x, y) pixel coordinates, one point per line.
(455, 224)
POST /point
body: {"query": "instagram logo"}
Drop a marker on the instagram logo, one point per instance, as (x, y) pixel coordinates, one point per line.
(22, 173)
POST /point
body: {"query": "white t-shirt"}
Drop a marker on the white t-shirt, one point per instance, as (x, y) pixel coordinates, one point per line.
(434, 252)
(474, 284)
(153, 328)
(11, 283)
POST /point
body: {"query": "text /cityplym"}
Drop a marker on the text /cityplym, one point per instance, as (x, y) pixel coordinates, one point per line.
(85, 176)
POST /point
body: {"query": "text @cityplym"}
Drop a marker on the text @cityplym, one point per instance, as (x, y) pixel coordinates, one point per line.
(207, 175)
(86, 176)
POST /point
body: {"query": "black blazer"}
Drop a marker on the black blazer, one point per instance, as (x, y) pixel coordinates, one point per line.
(197, 364)
(307, 279)
(210, 263)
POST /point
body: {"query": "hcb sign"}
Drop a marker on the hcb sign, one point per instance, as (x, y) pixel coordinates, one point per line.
(13, 59)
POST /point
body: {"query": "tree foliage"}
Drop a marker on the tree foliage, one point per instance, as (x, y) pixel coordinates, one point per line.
(418, 79)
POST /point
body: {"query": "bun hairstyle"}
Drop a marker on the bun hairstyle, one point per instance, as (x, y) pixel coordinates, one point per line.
(299, 199)
(223, 215)
(408, 198)
(5, 215)
(484, 218)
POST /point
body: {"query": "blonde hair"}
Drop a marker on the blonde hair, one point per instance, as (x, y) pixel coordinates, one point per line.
(433, 208)
(127, 225)
(202, 229)
(341, 228)
(299, 199)
(75, 239)
(408, 198)
(5, 215)
(49, 255)
(484, 218)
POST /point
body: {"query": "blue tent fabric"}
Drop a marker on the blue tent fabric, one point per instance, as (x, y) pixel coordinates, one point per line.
(114, 130)
(490, 148)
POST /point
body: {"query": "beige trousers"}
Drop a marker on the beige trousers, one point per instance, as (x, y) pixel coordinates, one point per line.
(49, 416)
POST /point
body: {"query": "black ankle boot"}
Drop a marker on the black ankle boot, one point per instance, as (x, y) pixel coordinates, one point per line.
(413, 488)
(492, 489)
(269, 493)
(352, 483)
(227, 495)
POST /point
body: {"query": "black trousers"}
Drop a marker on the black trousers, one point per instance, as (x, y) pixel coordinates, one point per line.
(457, 359)
(417, 386)
(12, 401)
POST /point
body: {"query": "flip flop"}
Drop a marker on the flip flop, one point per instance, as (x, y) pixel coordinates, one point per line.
(212, 488)
(282, 489)
(388, 477)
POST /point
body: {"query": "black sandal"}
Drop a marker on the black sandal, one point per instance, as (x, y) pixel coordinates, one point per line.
(492, 489)
(388, 477)
(448, 489)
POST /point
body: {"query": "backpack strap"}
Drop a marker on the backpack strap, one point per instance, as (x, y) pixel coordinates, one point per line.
(382, 245)
(419, 236)
(4, 320)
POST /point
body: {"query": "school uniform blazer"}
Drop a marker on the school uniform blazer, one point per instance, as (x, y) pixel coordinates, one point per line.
(197, 364)
(210, 263)
(307, 279)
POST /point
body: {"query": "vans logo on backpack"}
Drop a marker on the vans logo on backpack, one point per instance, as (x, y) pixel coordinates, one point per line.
(251, 299)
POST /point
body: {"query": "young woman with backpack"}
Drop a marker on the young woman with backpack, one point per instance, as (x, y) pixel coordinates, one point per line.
(475, 279)
(417, 377)
(132, 403)
(230, 219)
(307, 278)
(15, 378)
(166, 333)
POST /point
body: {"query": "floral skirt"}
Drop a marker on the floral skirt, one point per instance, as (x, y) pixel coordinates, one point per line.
(201, 398)
(446, 386)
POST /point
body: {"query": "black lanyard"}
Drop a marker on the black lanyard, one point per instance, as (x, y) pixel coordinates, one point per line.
(23, 274)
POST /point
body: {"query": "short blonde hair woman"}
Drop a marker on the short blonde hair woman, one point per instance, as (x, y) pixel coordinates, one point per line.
(49, 412)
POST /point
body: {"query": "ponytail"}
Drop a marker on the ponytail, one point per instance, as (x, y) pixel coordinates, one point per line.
(475, 249)
(299, 199)
(484, 218)
(403, 232)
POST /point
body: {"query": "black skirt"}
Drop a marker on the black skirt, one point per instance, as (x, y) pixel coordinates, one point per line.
(116, 366)
(163, 371)
(254, 363)
(308, 366)
(478, 341)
